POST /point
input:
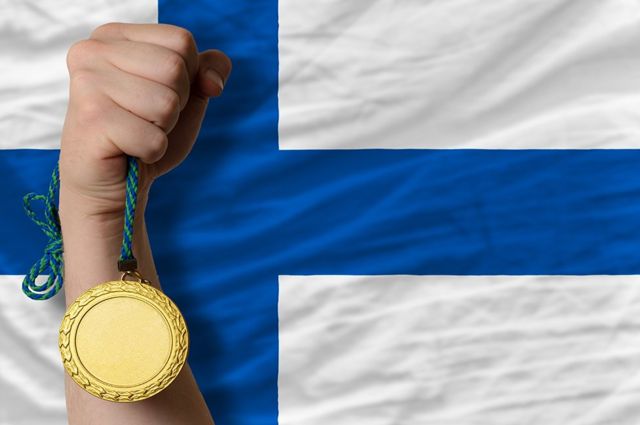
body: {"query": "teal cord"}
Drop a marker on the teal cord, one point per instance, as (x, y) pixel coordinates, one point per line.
(52, 260)
(127, 261)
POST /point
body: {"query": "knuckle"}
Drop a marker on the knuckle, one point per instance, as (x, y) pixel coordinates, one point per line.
(169, 105)
(82, 80)
(184, 40)
(156, 145)
(90, 111)
(175, 67)
(108, 28)
(80, 53)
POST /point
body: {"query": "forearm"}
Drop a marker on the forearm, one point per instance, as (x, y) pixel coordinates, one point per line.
(91, 251)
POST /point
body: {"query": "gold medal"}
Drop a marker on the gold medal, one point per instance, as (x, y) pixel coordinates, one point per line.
(123, 340)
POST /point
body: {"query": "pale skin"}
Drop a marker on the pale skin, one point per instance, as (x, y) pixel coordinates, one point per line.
(139, 90)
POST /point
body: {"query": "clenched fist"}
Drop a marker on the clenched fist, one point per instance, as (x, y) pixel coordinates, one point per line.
(135, 89)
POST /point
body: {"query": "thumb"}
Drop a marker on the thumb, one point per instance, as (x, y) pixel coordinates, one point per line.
(214, 68)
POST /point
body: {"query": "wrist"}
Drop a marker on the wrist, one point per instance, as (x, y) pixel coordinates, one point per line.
(104, 216)
(92, 239)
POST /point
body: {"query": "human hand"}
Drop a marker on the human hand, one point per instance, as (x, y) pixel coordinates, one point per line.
(138, 90)
(135, 90)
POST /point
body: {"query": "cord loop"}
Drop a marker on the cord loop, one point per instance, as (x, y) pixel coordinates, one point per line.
(52, 259)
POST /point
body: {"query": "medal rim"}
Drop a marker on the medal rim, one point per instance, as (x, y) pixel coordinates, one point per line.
(118, 393)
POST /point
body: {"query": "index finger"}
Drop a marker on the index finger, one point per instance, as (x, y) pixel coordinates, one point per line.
(172, 37)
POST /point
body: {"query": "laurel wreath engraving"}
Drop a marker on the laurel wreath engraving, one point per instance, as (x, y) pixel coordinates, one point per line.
(177, 357)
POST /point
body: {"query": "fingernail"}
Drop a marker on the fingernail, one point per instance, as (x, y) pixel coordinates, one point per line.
(215, 78)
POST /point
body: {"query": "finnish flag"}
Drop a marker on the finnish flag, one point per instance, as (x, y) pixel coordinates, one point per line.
(399, 212)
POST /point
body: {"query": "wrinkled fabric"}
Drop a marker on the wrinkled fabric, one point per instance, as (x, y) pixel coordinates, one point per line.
(446, 141)
(511, 74)
(31, 374)
(454, 350)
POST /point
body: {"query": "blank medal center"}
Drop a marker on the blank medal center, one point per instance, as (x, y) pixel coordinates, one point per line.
(123, 341)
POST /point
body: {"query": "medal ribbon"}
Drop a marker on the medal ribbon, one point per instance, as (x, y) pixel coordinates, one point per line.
(52, 260)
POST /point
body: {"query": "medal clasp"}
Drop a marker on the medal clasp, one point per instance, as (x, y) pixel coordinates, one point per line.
(135, 274)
